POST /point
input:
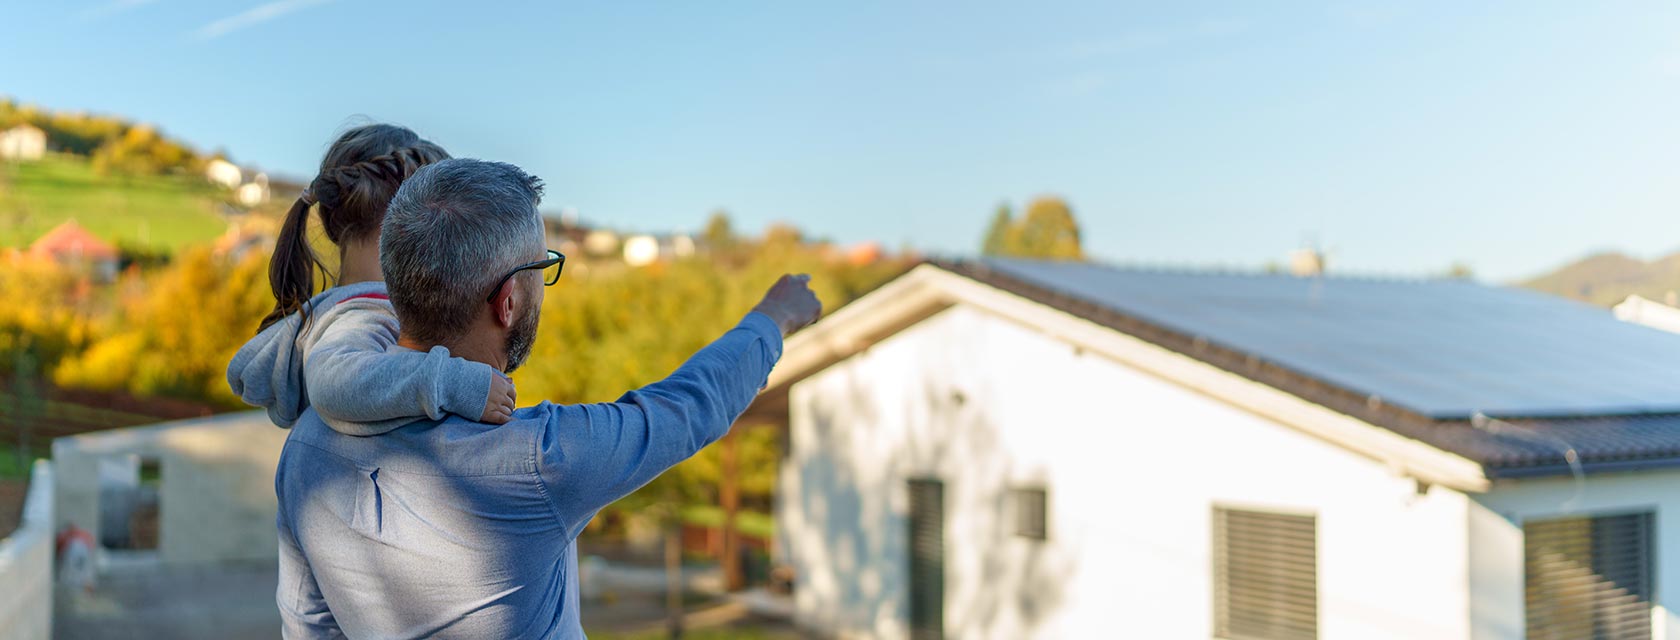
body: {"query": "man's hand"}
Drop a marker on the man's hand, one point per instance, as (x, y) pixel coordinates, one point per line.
(498, 408)
(790, 303)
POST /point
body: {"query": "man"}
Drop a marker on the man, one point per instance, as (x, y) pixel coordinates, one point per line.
(455, 528)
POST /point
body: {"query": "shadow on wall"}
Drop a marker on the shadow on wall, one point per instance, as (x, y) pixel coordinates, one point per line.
(853, 549)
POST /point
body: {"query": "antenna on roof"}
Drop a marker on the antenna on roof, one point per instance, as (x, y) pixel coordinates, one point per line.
(1309, 260)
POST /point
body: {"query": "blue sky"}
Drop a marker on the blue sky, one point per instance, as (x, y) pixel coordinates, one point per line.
(1402, 137)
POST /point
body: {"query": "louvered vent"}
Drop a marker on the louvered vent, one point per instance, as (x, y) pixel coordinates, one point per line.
(927, 559)
(1588, 578)
(1265, 575)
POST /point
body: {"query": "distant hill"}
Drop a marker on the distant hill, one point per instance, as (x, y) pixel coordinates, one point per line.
(157, 213)
(1607, 278)
(127, 182)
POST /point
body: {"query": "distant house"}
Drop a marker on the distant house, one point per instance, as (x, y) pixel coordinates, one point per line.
(72, 246)
(864, 253)
(254, 192)
(1016, 449)
(642, 250)
(223, 173)
(23, 143)
(1649, 313)
(602, 243)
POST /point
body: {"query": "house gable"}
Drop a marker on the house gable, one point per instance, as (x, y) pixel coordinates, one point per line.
(928, 289)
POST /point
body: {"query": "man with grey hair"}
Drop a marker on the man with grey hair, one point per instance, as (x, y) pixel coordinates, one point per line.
(455, 528)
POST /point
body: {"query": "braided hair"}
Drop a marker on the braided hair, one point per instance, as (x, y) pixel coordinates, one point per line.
(358, 176)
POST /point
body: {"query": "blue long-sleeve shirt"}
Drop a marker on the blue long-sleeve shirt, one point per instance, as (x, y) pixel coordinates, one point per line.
(455, 528)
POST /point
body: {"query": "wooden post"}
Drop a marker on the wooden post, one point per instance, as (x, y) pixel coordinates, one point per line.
(673, 566)
(729, 495)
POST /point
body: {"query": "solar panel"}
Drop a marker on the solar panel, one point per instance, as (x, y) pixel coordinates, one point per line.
(1446, 349)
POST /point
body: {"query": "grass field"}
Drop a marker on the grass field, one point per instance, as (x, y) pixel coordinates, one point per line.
(157, 213)
(752, 523)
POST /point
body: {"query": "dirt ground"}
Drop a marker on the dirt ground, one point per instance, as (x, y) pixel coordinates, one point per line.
(11, 504)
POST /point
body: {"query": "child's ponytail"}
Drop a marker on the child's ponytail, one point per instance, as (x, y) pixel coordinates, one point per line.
(291, 272)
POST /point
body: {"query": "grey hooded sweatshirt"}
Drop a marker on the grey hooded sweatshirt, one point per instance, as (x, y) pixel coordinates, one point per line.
(337, 357)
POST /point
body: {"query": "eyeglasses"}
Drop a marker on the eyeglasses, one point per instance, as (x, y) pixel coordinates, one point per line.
(550, 268)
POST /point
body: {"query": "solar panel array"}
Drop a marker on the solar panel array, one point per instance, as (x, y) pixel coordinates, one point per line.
(1445, 349)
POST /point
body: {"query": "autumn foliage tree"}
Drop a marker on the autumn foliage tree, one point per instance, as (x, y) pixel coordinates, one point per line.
(115, 145)
(175, 334)
(1048, 230)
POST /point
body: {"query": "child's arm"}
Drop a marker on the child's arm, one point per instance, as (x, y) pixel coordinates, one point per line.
(265, 371)
(354, 375)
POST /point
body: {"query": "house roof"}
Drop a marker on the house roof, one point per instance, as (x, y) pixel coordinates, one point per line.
(1511, 380)
(70, 238)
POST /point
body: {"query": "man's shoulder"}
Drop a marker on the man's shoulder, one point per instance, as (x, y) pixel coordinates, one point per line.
(454, 446)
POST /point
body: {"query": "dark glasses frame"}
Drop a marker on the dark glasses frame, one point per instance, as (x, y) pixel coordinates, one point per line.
(554, 258)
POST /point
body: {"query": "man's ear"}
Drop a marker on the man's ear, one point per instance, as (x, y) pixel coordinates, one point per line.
(501, 306)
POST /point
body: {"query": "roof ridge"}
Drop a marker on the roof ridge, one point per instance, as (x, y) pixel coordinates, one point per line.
(1223, 270)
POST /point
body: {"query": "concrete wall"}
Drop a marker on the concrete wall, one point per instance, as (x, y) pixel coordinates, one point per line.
(26, 564)
(216, 500)
(1133, 466)
(1496, 540)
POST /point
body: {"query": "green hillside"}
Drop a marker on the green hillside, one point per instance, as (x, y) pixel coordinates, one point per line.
(156, 212)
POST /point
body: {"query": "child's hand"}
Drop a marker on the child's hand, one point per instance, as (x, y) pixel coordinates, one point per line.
(498, 408)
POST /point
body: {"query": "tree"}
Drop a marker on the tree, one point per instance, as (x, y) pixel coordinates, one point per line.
(720, 233)
(177, 337)
(999, 235)
(783, 236)
(1047, 231)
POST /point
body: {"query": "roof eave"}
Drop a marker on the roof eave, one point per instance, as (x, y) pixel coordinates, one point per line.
(1587, 468)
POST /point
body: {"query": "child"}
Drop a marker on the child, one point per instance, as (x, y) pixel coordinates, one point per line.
(330, 351)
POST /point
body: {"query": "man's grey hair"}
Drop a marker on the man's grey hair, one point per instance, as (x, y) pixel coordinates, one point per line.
(451, 232)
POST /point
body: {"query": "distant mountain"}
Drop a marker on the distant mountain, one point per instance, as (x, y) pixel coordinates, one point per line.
(1607, 278)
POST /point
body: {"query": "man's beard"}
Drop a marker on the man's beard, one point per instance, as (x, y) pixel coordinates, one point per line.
(521, 336)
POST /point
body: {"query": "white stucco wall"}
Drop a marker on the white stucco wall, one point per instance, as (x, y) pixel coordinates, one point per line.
(1133, 465)
(26, 564)
(216, 500)
(1496, 540)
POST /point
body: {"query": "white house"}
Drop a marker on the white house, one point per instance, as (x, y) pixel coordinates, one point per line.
(1649, 312)
(23, 142)
(254, 192)
(643, 250)
(224, 173)
(1016, 449)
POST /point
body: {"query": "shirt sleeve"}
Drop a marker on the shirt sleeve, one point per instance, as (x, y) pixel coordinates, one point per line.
(592, 455)
(355, 375)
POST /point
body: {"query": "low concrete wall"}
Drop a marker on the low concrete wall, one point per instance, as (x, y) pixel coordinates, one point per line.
(26, 564)
(216, 496)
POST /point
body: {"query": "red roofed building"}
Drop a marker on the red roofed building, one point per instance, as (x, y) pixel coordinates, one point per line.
(73, 246)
